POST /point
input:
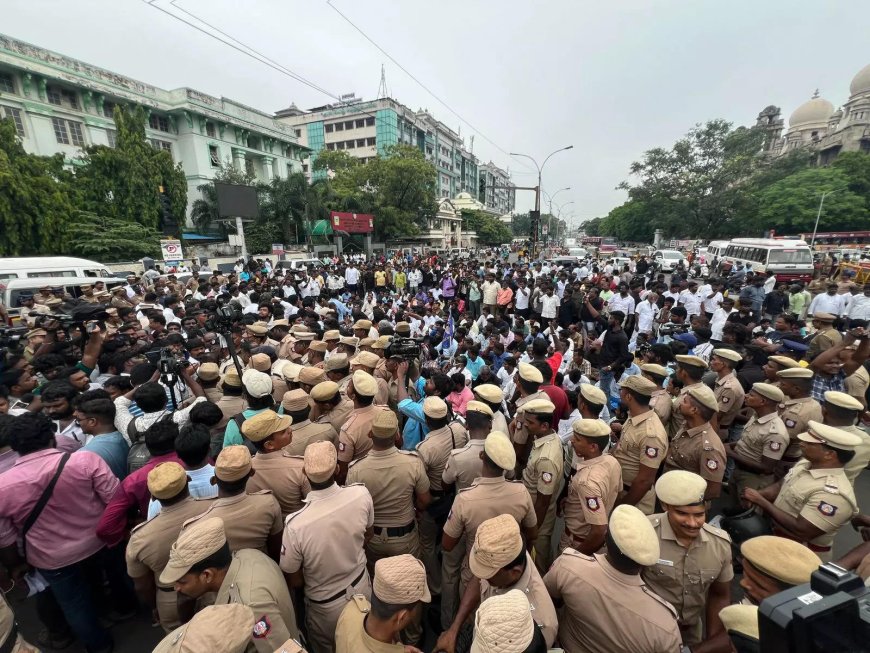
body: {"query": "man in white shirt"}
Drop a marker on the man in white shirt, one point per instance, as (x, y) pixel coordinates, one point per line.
(415, 278)
(351, 276)
(829, 302)
(691, 299)
(712, 296)
(647, 311)
(622, 301)
(549, 304)
(769, 283)
(521, 298)
(720, 316)
(859, 305)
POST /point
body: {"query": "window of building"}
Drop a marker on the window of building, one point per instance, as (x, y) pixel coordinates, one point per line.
(214, 156)
(330, 146)
(70, 98)
(68, 132)
(53, 94)
(360, 123)
(210, 130)
(370, 122)
(60, 132)
(166, 146)
(339, 126)
(254, 142)
(15, 116)
(109, 109)
(348, 124)
(112, 137)
(360, 142)
(298, 133)
(249, 167)
(160, 123)
(340, 145)
(327, 128)
(7, 83)
(370, 142)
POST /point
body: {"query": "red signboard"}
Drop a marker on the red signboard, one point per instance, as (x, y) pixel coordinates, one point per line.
(353, 223)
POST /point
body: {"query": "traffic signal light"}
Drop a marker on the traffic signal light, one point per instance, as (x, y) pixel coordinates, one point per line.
(168, 223)
(535, 219)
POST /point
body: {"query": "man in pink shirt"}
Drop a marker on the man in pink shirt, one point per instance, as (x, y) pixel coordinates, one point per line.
(461, 395)
(61, 543)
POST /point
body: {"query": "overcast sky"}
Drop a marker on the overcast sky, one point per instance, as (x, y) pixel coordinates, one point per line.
(610, 78)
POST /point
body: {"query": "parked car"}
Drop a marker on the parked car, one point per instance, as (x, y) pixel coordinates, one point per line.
(669, 259)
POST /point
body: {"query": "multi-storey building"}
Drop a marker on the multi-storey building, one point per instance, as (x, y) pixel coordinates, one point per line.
(496, 190)
(59, 104)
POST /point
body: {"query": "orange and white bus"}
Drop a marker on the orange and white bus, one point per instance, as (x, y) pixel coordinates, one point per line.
(787, 259)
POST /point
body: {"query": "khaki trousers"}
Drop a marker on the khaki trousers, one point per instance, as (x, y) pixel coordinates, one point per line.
(322, 618)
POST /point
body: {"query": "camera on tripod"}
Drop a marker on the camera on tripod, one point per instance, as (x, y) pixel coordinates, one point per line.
(223, 318)
(407, 349)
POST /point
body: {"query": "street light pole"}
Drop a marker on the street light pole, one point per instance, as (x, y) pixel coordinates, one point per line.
(819, 214)
(538, 187)
(558, 217)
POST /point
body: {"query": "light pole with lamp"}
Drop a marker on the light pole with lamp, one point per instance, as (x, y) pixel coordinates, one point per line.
(538, 187)
(559, 216)
(819, 214)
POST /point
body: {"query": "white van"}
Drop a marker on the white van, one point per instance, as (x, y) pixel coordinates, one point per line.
(459, 253)
(14, 288)
(49, 266)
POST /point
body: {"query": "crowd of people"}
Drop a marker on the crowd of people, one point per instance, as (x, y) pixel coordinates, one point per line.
(379, 454)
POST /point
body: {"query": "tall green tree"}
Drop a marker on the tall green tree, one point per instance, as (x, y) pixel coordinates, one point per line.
(36, 199)
(855, 166)
(109, 239)
(293, 206)
(489, 229)
(335, 161)
(521, 225)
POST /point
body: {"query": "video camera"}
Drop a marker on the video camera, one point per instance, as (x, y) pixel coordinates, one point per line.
(223, 318)
(407, 349)
(10, 337)
(673, 329)
(831, 613)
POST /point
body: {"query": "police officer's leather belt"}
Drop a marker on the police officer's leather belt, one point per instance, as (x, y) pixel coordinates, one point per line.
(395, 531)
(337, 594)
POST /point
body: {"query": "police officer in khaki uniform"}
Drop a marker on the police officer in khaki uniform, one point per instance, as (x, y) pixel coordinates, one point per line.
(316, 354)
(87, 295)
(225, 628)
(297, 405)
(797, 409)
(660, 401)
(208, 374)
(642, 447)
(274, 468)
(337, 369)
(252, 521)
(606, 605)
(463, 465)
(310, 377)
(398, 593)
(444, 436)
(493, 397)
(529, 380)
(690, 370)
(330, 407)
(366, 362)
(232, 401)
(489, 496)
(842, 411)
(776, 364)
(594, 486)
(504, 623)
(353, 438)
(826, 335)
(815, 498)
(201, 561)
(148, 548)
(543, 473)
(762, 444)
(699, 449)
(727, 389)
(741, 625)
(331, 339)
(324, 545)
(398, 483)
(694, 571)
(500, 563)
(772, 564)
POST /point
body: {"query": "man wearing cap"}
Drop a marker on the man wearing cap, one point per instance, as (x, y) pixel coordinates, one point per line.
(763, 443)
(148, 548)
(699, 449)
(642, 447)
(694, 571)
(367, 361)
(826, 335)
(226, 628)
(493, 396)
(337, 369)
(500, 563)
(463, 464)
(232, 401)
(690, 370)
(353, 438)
(208, 375)
(815, 498)
(398, 593)
(727, 389)
(660, 401)
(444, 436)
(596, 481)
(529, 383)
(398, 483)
(504, 624)
(275, 469)
(201, 561)
(329, 406)
(297, 405)
(773, 564)
(543, 474)
(258, 394)
(251, 521)
(843, 411)
(324, 545)
(741, 628)
(607, 606)
(797, 409)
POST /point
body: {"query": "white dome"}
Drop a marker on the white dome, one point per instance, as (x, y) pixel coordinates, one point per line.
(464, 196)
(814, 110)
(861, 82)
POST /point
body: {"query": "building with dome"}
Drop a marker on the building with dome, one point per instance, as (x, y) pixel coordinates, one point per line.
(817, 125)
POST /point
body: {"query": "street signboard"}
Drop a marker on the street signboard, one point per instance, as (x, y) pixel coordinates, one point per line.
(545, 229)
(277, 249)
(353, 223)
(171, 250)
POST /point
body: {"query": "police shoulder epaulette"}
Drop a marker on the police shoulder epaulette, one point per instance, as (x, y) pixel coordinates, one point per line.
(577, 554)
(293, 515)
(355, 484)
(409, 453)
(718, 532)
(659, 600)
(354, 462)
(292, 455)
(263, 491)
(362, 603)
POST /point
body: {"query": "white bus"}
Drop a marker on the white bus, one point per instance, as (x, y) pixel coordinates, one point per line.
(789, 260)
(31, 267)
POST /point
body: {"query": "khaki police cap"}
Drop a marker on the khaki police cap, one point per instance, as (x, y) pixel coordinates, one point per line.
(593, 394)
(226, 628)
(783, 559)
(489, 392)
(324, 391)
(234, 462)
(740, 618)
(784, 361)
(261, 362)
(704, 396)
(231, 378)
(403, 328)
(195, 543)
(401, 580)
(497, 542)
(114, 290)
(86, 286)
(366, 342)
(366, 359)
(305, 336)
(634, 535)
(298, 328)
(795, 373)
(843, 400)
(279, 323)
(35, 333)
(364, 384)
(591, 428)
(818, 433)
(768, 391)
(385, 424)
(208, 372)
(539, 407)
(295, 400)
(311, 375)
(504, 624)
(166, 480)
(652, 368)
(55, 301)
(681, 488)
(434, 407)
(500, 450)
(291, 371)
(318, 345)
(320, 461)
(639, 384)
(382, 343)
(530, 373)
(362, 324)
(257, 384)
(331, 335)
(336, 362)
(824, 317)
(351, 341)
(728, 354)
(258, 328)
(479, 407)
(692, 361)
